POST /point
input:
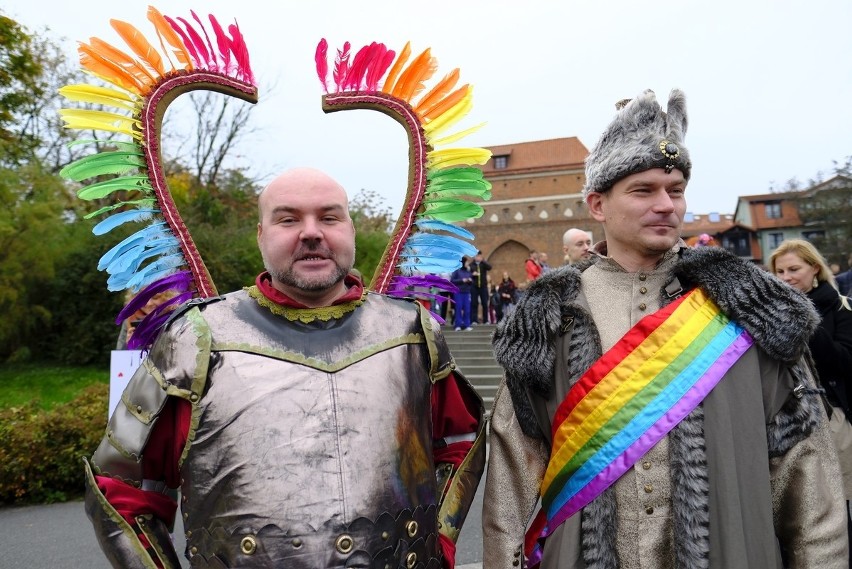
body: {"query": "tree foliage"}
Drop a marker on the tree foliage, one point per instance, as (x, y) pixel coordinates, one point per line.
(825, 208)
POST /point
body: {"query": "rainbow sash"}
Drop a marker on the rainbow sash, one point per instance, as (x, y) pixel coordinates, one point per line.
(629, 399)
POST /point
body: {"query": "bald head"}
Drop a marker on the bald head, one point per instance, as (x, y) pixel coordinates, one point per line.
(301, 180)
(576, 245)
(306, 236)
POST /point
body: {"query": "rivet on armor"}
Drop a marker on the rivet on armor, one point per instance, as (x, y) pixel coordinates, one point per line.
(649, 510)
(344, 544)
(643, 290)
(517, 553)
(138, 408)
(185, 516)
(411, 560)
(297, 543)
(248, 545)
(649, 488)
(642, 277)
(642, 306)
(516, 563)
(193, 550)
(188, 534)
(411, 527)
(646, 465)
(140, 520)
(193, 397)
(385, 536)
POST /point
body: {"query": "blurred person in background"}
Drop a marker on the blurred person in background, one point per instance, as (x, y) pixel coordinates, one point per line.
(799, 264)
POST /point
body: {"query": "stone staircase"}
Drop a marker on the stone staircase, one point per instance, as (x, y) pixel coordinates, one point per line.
(475, 359)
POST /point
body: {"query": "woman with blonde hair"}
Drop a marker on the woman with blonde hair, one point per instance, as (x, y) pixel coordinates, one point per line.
(799, 264)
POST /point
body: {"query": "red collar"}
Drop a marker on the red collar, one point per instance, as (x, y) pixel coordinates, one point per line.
(355, 289)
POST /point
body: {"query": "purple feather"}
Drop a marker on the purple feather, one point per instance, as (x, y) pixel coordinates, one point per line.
(180, 281)
(427, 281)
(149, 328)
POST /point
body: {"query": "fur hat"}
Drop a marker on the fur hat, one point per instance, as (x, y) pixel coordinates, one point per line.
(640, 137)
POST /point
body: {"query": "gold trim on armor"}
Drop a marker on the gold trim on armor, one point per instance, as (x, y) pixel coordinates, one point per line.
(248, 545)
(344, 544)
(306, 315)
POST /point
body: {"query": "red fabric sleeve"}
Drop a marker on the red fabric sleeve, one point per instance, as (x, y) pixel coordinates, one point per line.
(449, 549)
(455, 411)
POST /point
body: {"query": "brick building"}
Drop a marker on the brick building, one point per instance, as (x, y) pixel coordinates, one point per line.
(536, 197)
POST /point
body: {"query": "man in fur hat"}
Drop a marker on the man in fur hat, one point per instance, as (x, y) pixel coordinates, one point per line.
(656, 400)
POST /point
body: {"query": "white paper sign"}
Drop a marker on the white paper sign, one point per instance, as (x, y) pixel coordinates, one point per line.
(122, 365)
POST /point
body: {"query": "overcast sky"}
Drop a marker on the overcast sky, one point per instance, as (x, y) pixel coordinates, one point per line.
(768, 83)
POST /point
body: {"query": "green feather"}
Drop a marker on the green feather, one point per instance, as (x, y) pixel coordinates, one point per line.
(143, 203)
(103, 189)
(459, 173)
(478, 188)
(451, 210)
(103, 163)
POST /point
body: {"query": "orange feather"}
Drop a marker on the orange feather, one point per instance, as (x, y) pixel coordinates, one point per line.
(421, 68)
(165, 31)
(140, 46)
(115, 55)
(397, 67)
(446, 103)
(438, 91)
(92, 60)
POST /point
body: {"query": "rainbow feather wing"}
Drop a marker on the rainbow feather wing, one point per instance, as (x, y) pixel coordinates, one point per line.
(424, 241)
(161, 256)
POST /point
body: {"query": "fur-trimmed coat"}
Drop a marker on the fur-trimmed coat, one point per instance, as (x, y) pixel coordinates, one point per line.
(753, 461)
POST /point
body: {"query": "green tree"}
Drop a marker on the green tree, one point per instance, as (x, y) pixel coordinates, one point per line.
(373, 224)
(825, 208)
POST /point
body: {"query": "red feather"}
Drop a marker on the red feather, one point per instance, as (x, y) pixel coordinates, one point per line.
(224, 43)
(341, 66)
(213, 62)
(199, 44)
(356, 72)
(380, 66)
(241, 53)
(321, 58)
(186, 42)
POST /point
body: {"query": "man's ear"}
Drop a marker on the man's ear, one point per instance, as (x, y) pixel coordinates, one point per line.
(595, 203)
(259, 231)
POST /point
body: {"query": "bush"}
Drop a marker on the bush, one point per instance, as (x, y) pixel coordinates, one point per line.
(41, 451)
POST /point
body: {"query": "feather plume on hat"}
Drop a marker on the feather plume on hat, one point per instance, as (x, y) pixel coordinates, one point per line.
(641, 136)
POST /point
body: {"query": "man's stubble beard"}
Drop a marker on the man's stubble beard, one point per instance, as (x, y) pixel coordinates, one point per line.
(290, 278)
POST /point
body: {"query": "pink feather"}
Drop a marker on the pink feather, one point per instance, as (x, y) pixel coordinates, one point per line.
(241, 53)
(341, 66)
(196, 59)
(224, 43)
(380, 65)
(213, 61)
(358, 69)
(198, 43)
(321, 58)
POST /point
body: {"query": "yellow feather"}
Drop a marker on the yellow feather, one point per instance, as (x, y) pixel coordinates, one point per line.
(448, 157)
(140, 46)
(446, 103)
(452, 116)
(84, 93)
(449, 139)
(396, 68)
(437, 92)
(108, 70)
(165, 31)
(85, 119)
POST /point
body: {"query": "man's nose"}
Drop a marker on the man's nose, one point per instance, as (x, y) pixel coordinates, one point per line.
(311, 229)
(664, 202)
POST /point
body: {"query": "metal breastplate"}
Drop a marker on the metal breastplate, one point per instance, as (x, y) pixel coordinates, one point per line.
(319, 456)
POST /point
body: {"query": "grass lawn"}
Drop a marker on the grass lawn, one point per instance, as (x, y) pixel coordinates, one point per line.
(51, 384)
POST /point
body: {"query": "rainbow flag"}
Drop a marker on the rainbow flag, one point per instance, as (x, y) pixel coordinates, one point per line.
(629, 399)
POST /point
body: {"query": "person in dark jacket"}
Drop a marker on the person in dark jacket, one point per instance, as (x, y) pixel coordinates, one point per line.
(462, 278)
(479, 268)
(798, 263)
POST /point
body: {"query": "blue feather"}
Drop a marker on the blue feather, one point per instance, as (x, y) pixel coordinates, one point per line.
(147, 233)
(437, 225)
(133, 258)
(462, 248)
(156, 270)
(113, 221)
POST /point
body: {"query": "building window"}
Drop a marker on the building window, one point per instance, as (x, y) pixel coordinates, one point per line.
(773, 210)
(500, 162)
(775, 240)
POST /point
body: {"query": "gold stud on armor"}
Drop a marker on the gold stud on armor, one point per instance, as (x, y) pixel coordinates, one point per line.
(411, 527)
(344, 544)
(411, 560)
(248, 545)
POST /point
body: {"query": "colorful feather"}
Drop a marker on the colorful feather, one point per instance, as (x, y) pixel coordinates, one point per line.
(163, 247)
(394, 72)
(411, 80)
(178, 281)
(437, 93)
(168, 34)
(321, 59)
(140, 45)
(384, 57)
(341, 66)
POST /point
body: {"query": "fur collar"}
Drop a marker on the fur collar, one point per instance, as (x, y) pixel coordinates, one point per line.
(779, 318)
